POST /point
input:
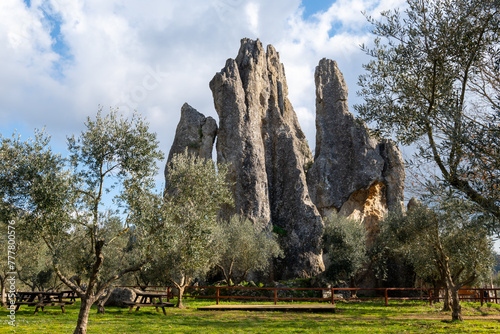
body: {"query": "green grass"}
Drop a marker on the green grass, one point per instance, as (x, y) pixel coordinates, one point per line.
(367, 317)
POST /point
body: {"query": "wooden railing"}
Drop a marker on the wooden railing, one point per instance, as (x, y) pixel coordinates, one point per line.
(424, 294)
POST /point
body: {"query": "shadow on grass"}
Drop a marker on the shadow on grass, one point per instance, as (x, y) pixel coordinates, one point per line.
(350, 317)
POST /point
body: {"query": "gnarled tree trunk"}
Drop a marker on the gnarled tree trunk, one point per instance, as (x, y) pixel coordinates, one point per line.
(447, 300)
(83, 316)
(179, 296)
(456, 308)
(3, 296)
(101, 301)
(452, 287)
(184, 281)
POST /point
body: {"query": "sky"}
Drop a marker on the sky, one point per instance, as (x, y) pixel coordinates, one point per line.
(62, 59)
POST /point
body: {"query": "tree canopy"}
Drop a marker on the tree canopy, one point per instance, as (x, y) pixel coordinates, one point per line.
(444, 245)
(434, 82)
(61, 201)
(245, 246)
(187, 245)
(345, 245)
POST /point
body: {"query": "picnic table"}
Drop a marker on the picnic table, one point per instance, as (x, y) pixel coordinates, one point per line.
(69, 294)
(149, 299)
(40, 299)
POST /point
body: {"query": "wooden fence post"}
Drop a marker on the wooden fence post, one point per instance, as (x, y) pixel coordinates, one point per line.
(481, 292)
(430, 297)
(386, 298)
(333, 293)
(168, 294)
(275, 296)
(217, 295)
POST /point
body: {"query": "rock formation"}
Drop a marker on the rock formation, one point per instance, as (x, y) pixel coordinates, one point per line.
(393, 174)
(413, 203)
(260, 136)
(353, 173)
(239, 141)
(120, 297)
(194, 132)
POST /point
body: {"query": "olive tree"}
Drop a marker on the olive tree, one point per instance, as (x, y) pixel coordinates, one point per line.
(33, 265)
(443, 244)
(5, 269)
(33, 268)
(187, 245)
(34, 189)
(245, 246)
(125, 251)
(434, 83)
(60, 196)
(344, 244)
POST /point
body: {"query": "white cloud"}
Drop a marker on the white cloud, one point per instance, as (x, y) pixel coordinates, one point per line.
(117, 46)
(336, 34)
(252, 11)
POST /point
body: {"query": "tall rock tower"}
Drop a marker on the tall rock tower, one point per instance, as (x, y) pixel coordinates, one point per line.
(260, 137)
(353, 173)
(271, 166)
(194, 132)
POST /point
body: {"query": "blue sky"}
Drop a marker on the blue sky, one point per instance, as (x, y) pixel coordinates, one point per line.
(312, 7)
(62, 59)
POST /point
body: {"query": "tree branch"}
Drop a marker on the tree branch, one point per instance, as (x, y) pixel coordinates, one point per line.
(223, 272)
(70, 284)
(430, 136)
(99, 258)
(119, 234)
(116, 276)
(486, 203)
(456, 151)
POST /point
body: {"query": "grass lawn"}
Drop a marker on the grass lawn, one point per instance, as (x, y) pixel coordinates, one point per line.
(367, 317)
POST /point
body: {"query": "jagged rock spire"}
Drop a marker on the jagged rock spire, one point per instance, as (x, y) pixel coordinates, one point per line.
(352, 173)
(260, 136)
(194, 132)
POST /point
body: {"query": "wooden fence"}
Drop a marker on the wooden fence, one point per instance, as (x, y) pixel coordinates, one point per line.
(225, 293)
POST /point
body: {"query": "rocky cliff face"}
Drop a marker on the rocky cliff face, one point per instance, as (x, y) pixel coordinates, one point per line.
(346, 158)
(194, 132)
(260, 136)
(393, 174)
(353, 173)
(239, 141)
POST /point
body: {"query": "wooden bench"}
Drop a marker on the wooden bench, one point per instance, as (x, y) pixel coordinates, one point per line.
(43, 304)
(148, 299)
(69, 294)
(40, 299)
(18, 304)
(155, 305)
